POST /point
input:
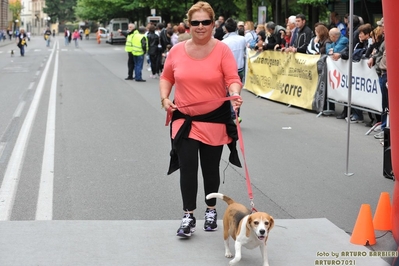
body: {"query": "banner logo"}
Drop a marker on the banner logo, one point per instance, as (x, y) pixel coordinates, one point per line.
(334, 78)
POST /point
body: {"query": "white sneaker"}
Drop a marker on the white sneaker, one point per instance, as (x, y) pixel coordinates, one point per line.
(377, 128)
(379, 135)
(149, 68)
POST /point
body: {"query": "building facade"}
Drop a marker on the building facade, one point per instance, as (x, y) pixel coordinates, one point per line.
(33, 19)
(4, 21)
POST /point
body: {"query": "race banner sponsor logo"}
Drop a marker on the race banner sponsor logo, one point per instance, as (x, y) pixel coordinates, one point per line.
(289, 78)
(366, 90)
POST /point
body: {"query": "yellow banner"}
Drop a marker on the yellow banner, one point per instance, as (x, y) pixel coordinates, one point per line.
(289, 78)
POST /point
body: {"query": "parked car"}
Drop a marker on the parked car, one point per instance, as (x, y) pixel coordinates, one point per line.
(115, 24)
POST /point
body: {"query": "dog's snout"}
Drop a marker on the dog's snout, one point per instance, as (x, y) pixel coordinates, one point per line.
(262, 232)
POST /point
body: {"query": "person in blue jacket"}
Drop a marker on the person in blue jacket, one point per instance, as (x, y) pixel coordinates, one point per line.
(339, 44)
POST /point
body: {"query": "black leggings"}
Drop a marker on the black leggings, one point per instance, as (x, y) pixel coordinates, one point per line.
(210, 161)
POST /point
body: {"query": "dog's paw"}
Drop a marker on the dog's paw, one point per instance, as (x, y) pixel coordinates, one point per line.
(228, 255)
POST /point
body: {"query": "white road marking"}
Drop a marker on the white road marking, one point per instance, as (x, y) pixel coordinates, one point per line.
(19, 109)
(31, 85)
(44, 209)
(2, 147)
(12, 174)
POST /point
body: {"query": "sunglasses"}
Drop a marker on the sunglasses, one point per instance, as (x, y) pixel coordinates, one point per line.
(203, 22)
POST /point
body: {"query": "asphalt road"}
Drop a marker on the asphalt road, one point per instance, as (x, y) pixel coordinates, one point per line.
(109, 147)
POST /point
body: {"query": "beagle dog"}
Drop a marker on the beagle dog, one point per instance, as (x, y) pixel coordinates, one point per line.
(248, 229)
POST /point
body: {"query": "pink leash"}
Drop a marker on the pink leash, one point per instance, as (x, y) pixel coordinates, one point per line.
(240, 140)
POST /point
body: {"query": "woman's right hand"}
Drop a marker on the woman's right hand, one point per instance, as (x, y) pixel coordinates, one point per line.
(167, 103)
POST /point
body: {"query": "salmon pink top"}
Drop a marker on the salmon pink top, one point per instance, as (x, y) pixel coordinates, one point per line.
(198, 80)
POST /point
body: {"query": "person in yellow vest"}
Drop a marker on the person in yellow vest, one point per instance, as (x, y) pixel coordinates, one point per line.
(140, 47)
(131, 31)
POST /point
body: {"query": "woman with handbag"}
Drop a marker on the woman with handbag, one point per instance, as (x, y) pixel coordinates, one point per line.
(21, 41)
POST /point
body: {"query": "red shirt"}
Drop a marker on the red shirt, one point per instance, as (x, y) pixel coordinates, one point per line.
(197, 80)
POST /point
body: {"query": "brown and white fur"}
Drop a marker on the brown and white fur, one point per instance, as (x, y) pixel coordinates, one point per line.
(248, 229)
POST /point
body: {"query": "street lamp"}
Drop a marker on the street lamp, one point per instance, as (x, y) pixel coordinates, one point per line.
(48, 21)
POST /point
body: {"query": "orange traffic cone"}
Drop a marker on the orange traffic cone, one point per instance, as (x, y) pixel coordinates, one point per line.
(382, 217)
(363, 232)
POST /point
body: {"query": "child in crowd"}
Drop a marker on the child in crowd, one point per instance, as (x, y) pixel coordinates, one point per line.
(261, 40)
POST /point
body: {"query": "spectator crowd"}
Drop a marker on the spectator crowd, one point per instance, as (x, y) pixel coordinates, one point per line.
(294, 37)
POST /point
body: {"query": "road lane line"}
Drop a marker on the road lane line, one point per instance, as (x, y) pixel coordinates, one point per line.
(12, 174)
(19, 109)
(44, 209)
(2, 147)
(31, 85)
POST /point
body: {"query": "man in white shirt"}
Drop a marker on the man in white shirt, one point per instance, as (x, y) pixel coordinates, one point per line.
(237, 45)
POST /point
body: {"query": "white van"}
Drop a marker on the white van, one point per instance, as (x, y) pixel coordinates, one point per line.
(114, 25)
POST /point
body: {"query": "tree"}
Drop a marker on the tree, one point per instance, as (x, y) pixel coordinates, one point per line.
(15, 7)
(63, 10)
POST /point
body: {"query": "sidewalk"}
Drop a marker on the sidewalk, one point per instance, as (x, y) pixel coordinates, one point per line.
(7, 42)
(299, 242)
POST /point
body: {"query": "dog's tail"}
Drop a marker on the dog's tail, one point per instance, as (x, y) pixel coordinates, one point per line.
(220, 196)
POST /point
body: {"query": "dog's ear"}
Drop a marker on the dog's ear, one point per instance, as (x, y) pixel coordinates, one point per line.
(271, 223)
(248, 227)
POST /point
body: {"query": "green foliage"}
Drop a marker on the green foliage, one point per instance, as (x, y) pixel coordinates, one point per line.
(63, 10)
(313, 2)
(171, 11)
(15, 8)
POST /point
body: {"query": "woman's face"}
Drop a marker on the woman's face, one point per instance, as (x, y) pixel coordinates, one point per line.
(317, 33)
(201, 31)
(363, 37)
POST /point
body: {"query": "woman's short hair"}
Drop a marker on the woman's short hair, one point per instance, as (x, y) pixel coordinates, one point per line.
(201, 6)
(249, 25)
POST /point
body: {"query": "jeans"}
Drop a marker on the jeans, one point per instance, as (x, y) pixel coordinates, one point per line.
(22, 50)
(384, 93)
(138, 66)
(66, 41)
(76, 42)
(48, 42)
